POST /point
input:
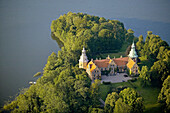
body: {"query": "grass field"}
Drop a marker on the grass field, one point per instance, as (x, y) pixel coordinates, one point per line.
(149, 94)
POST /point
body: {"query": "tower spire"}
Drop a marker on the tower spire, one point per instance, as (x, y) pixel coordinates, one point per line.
(83, 59)
(132, 53)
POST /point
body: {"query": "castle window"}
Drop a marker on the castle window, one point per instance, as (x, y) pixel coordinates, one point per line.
(90, 66)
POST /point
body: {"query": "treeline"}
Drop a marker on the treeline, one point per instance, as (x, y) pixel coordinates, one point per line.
(156, 71)
(97, 34)
(156, 53)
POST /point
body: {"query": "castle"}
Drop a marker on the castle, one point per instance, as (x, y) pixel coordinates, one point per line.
(97, 68)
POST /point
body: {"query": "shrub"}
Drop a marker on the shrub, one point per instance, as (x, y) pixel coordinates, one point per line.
(106, 83)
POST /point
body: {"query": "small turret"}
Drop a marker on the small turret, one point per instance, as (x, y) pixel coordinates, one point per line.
(83, 59)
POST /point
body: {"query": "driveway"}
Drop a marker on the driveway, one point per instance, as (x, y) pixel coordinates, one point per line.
(115, 79)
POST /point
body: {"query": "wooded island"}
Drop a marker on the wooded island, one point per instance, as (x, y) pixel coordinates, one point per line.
(64, 87)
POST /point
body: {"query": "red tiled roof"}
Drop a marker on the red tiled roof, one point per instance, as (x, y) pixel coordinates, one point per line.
(121, 61)
(102, 63)
(105, 62)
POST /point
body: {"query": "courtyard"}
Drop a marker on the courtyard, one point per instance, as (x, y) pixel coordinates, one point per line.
(119, 77)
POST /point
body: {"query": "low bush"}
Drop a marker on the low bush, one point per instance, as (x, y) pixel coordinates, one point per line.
(106, 83)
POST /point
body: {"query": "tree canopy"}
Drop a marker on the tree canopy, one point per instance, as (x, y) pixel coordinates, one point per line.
(127, 101)
(97, 34)
(164, 95)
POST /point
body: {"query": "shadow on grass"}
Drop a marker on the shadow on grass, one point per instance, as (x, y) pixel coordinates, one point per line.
(153, 108)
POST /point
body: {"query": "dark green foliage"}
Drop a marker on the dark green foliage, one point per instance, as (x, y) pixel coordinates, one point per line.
(106, 83)
(156, 53)
(98, 35)
(95, 110)
(150, 48)
(164, 95)
(140, 44)
(110, 102)
(160, 70)
(144, 76)
(128, 101)
(61, 89)
(121, 107)
(94, 93)
(132, 98)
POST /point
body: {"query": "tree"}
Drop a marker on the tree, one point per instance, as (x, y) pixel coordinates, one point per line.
(160, 70)
(105, 33)
(144, 76)
(94, 92)
(128, 101)
(140, 44)
(121, 107)
(161, 54)
(131, 98)
(95, 110)
(164, 95)
(95, 28)
(51, 63)
(27, 102)
(130, 31)
(110, 102)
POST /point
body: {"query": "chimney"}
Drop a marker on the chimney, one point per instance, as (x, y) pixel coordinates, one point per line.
(99, 58)
(121, 56)
(96, 58)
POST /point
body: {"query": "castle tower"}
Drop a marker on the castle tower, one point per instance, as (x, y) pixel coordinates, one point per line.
(83, 59)
(132, 54)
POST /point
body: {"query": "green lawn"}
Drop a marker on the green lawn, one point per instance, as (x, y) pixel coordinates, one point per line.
(149, 94)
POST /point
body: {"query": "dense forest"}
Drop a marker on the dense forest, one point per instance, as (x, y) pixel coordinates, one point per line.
(64, 87)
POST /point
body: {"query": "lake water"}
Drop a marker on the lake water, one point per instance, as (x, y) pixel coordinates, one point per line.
(25, 41)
